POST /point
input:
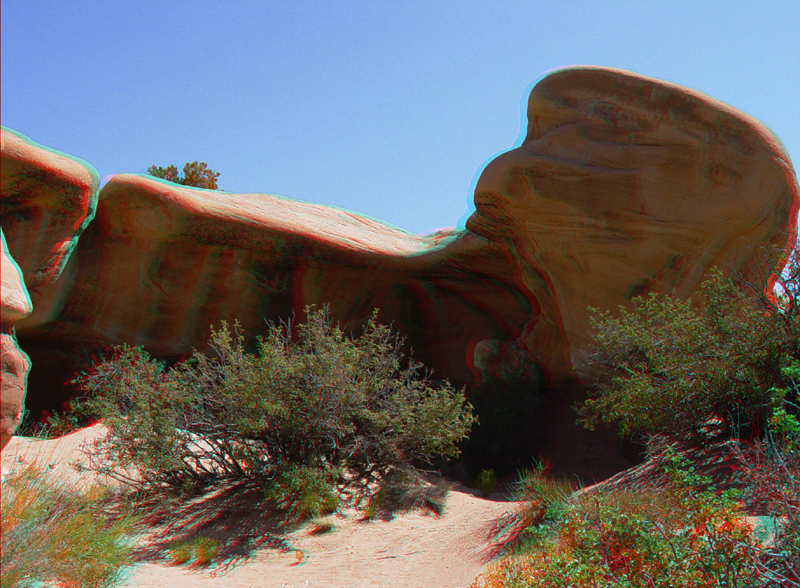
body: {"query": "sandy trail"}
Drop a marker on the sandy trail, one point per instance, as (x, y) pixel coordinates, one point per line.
(412, 550)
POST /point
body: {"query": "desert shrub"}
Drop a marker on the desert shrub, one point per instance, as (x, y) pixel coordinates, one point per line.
(682, 535)
(773, 470)
(486, 481)
(309, 418)
(676, 367)
(53, 533)
(726, 364)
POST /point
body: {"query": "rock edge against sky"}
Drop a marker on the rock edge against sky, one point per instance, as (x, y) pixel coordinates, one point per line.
(624, 185)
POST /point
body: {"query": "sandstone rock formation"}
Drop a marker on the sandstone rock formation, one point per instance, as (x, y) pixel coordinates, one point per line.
(48, 198)
(626, 185)
(160, 263)
(14, 364)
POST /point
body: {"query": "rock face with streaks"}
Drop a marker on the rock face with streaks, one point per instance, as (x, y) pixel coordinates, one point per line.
(626, 185)
(47, 198)
(160, 263)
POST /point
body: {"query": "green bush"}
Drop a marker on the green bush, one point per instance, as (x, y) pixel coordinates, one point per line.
(728, 364)
(678, 536)
(677, 368)
(310, 418)
(53, 533)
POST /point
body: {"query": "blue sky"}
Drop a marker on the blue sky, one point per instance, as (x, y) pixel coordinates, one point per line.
(385, 108)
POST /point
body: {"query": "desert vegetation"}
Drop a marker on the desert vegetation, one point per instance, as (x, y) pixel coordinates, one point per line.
(313, 418)
(54, 533)
(317, 420)
(724, 368)
(673, 536)
(683, 533)
(195, 174)
(678, 367)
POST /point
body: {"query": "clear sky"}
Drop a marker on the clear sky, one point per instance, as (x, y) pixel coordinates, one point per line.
(388, 108)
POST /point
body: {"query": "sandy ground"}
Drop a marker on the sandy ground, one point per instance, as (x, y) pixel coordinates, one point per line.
(410, 551)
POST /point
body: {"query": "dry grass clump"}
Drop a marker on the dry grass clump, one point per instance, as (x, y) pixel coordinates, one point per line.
(203, 550)
(54, 533)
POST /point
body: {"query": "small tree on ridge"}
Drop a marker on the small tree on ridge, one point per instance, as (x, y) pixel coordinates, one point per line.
(195, 174)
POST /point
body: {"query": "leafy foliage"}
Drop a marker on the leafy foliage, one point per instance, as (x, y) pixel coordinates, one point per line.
(728, 363)
(680, 535)
(310, 418)
(195, 174)
(676, 367)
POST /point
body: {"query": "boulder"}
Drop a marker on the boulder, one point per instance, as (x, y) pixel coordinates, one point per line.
(626, 185)
(48, 198)
(14, 364)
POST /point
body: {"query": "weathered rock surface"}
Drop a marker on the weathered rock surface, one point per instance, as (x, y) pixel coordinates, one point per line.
(626, 185)
(48, 198)
(15, 302)
(160, 263)
(14, 364)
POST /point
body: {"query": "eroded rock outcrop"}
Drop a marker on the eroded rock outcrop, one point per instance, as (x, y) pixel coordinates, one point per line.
(48, 198)
(160, 263)
(14, 364)
(626, 185)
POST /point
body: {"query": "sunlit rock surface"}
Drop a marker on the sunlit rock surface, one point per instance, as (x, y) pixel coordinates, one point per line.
(14, 364)
(161, 263)
(47, 200)
(626, 185)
